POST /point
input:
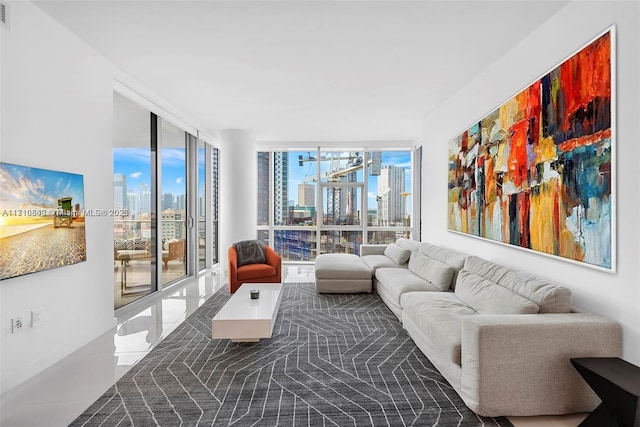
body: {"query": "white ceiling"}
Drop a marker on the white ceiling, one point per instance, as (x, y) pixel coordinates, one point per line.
(304, 70)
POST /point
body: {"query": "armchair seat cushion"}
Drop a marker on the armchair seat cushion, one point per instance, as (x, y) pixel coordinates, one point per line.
(255, 271)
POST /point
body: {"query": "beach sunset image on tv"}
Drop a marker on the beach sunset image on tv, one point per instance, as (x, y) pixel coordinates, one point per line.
(41, 220)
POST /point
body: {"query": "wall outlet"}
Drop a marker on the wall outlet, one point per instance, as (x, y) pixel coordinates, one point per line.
(37, 318)
(16, 324)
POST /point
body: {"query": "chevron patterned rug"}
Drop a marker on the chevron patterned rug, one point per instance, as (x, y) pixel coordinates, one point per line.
(334, 360)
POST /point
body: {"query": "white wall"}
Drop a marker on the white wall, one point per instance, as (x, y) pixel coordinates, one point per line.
(57, 114)
(616, 296)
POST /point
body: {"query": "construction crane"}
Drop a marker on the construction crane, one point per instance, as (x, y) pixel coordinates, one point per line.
(342, 203)
(337, 170)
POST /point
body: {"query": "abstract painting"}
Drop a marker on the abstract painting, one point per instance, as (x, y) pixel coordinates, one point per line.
(537, 172)
(41, 219)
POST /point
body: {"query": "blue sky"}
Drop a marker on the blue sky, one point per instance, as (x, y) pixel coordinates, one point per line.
(135, 164)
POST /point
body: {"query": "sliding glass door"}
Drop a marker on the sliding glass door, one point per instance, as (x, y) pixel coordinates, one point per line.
(213, 213)
(134, 189)
(174, 206)
(202, 230)
(165, 186)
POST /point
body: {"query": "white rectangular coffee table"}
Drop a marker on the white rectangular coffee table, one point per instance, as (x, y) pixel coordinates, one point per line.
(243, 319)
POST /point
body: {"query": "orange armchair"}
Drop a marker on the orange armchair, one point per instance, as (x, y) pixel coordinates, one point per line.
(270, 272)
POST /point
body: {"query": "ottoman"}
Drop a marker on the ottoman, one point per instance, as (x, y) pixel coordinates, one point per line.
(342, 273)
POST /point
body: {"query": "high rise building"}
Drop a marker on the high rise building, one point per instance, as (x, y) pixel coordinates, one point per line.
(281, 187)
(391, 183)
(167, 201)
(306, 195)
(133, 201)
(181, 202)
(120, 191)
(263, 188)
(145, 199)
(169, 229)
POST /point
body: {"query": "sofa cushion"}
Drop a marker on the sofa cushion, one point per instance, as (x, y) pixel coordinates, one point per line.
(487, 297)
(397, 254)
(439, 315)
(131, 244)
(397, 281)
(549, 297)
(432, 270)
(451, 257)
(119, 243)
(374, 262)
(484, 268)
(412, 245)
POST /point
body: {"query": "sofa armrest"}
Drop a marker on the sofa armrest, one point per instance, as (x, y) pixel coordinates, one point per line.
(519, 364)
(372, 249)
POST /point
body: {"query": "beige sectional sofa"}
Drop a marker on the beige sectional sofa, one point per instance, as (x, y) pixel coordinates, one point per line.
(502, 338)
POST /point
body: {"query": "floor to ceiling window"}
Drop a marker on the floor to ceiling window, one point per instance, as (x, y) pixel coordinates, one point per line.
(341, 191)
(202, 211)
(391, 187)
(321, 201)
(134, 187)
(207, 205)
(161, 233)
(174, 209)
(215, 198)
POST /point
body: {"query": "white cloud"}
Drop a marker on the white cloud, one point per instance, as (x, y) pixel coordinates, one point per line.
(179, 180)
(136, 175)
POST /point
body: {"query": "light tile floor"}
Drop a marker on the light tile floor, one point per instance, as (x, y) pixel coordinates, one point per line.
(59, 394)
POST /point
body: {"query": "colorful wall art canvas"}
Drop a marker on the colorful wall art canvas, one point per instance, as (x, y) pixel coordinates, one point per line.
(537, 172)
(41, 220)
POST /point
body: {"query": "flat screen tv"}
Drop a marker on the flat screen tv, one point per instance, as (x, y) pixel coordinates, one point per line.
(41, 220)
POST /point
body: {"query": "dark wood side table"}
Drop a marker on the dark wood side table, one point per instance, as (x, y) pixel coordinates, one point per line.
(617, 384)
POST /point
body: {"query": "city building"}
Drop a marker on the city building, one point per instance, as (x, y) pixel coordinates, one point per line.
(120, 191)
(263, 188)
(391, 204)
(168, 201)
(306, 195)
(281, 187)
